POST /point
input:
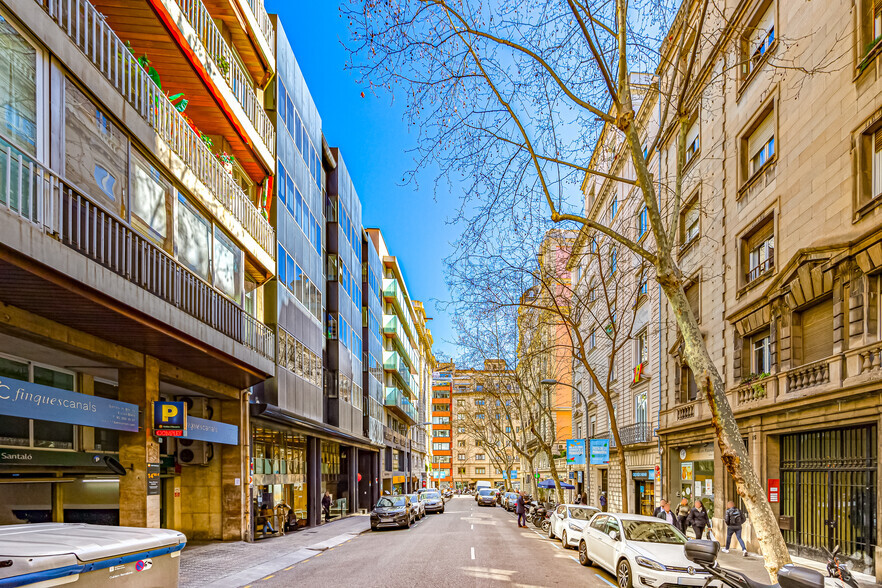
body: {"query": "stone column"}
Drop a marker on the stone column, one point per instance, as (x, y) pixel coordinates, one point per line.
(139, 386)
(233, 500)
(353, 480)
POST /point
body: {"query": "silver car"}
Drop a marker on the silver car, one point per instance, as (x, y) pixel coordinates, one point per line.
(567, 522)
(486, 497)
(417, 505)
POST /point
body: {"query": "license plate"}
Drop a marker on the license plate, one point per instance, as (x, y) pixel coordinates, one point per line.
(693, 581)
(385, 519)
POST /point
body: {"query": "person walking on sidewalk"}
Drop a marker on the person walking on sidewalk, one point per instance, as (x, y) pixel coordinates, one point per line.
(603, 501)
(660, 507)
(697, 519)
(682, 512)
(521, 509)
(734, 519)
(326, 505)
(666, 514)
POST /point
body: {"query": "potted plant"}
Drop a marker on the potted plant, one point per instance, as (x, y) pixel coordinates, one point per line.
(226, 160)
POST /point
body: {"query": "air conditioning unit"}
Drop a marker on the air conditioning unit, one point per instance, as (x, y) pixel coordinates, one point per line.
(192, 452)
(197, 406)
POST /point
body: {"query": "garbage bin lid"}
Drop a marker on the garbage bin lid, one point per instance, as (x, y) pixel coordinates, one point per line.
(86, 542)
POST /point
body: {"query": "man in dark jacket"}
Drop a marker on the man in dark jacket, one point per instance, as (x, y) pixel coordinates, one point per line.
(665, 513)
(521, 509)
(326, 505)
(734, 519)
(660, 507)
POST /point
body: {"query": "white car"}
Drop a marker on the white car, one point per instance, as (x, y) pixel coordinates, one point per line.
(567, 522)
(418, 505)
(641, 551)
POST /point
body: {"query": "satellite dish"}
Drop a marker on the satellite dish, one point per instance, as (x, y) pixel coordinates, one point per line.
(114, 466)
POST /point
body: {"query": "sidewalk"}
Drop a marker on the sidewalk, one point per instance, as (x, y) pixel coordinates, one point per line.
(239, 563)
(754, 568)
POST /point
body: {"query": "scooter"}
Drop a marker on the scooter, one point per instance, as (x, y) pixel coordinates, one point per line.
(838, 570)
(703, 553)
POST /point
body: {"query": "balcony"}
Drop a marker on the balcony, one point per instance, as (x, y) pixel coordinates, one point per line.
(392, 327)
(89, 30)
(392, 361)
(641, 432)
(607, 435)
(392, 292)
(397, 400)
(250, 27)
(109, 300)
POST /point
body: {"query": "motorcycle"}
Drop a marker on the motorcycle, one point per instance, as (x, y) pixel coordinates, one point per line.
(703, 553)
(543, 512)
(838, 570)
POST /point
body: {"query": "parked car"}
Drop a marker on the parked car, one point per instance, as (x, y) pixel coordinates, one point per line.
(510, 501)
(447, 494)
(638, 550)
(486, 497)
(567, 522)
(418, 505)
(434, 501)
(392, 511)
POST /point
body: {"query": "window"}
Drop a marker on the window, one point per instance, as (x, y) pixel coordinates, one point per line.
(613, 208)
(461, 457)
(640, 408)
(479, 402)
(460, 443)
(689, 223)
(592, 293)
(641, 357)
(441, 432)
(642, 222)
(461, 471)
(643, 289)
(480, 456)
(19, 73)
(816, 324)
(461, 430)
(592, 339)
(760, 359)
(192, 238)
(152, 202)
(22, 432)
(441, 446)
(440, 420)
(693, 297)
(759, 249)
(692, 141)
(688, 387)
(480, 415)
(758, 40)
(613, 260)
(507, 429)
(480, 470)
(460, 417)
(761, 145)
(460, 402)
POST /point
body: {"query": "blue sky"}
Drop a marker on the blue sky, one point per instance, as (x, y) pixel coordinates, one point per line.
(374, 141)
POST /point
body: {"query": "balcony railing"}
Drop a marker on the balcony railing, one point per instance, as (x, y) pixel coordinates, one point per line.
(392, 290)
(263, 22)
(87, 28)
(397, 398)
(808, 376)
(36, 194)
(637, 433)
(392, 326)
(760, 269)
(393, 361)
(222, 57)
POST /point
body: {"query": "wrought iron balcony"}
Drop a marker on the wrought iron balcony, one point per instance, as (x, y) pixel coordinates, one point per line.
(34, 193)
(89, 31)
(637, 433)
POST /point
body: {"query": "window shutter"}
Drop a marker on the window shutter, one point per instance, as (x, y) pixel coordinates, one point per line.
(817, 331)
(877, 163)
(759, 236)
(692, 134)
(761, 136)
(693, 298)
(766, 22)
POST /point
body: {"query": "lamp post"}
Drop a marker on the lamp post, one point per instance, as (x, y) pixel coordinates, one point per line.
(553, 382)
(408, 487)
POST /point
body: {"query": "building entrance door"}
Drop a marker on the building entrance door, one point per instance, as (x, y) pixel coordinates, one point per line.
(645, 493)
(828, 493)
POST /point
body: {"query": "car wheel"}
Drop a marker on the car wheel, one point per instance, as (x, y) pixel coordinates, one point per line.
(623, 574)
(549, 528)
(373, 527)
(442, 510)
(583, 554)
(563, 540)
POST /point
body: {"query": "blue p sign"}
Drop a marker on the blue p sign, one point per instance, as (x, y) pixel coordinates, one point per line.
(169, 418)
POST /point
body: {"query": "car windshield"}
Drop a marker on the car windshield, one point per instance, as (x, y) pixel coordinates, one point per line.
(581, 514)
(413, 497)
(485, 492)
(390, 501)
(431, 495)
(648, 532)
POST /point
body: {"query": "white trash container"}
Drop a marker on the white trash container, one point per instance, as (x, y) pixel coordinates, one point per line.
(99, 556)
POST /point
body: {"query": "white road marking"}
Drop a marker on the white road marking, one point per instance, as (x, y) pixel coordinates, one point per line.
(574, 559)
(473, 553)
(473, 527)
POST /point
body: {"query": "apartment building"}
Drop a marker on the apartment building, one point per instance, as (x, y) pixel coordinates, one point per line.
(134, 258)
(442, 429)
(373, 382)
(424, 378)
(405, 434)
(780, 237)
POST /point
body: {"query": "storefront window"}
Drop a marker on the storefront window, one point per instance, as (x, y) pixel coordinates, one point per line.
(18, 88)
(279, 465)
(14, 430)
(95, 151)
(51, 434)
(696, 469)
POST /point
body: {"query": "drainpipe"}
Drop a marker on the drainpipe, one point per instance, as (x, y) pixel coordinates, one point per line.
(658, 414)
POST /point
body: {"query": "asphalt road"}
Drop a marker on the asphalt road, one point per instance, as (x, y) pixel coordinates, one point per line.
(468, 545)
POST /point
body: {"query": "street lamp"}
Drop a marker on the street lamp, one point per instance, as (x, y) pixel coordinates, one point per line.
(408, 486)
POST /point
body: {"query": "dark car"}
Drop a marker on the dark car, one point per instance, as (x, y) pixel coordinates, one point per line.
(392, 511)
(486, 497)
(434, 501)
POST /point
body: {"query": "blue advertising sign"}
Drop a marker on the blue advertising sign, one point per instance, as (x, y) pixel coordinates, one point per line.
(513, 475)
(576, 451)
(212, 431)
(46, 403)
(599, 452)
(169, 419)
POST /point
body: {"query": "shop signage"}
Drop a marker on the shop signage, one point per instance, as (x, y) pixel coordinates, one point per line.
(579, 476)
(572, 475)
(648, 475)
(46, 403)
(774, 487)
(152, 479)
(397, 479)
(211, 431)
(576, 451)
(44, 457)
(169, 419)
(599, 452)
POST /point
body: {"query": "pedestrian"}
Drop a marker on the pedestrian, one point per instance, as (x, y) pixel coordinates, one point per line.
(682, 513)
(697, 519)
(326, 505)
(734, 519)
(660, 507)
(666, 514)
(579, 499)
(521, 509)
(603, 501)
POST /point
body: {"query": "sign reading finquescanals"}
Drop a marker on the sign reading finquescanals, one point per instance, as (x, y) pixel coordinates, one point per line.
(46, 403)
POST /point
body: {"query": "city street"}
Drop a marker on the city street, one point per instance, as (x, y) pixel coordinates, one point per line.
(468, 545)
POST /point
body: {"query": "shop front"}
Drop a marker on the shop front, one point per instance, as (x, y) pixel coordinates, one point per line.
(278, 474)
(694, 474)
(644, 491)
(335, 478)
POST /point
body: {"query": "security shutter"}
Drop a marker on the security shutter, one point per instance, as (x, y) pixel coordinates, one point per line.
(877, 163)
(761, 135)
(817, 331)
(692, 295)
